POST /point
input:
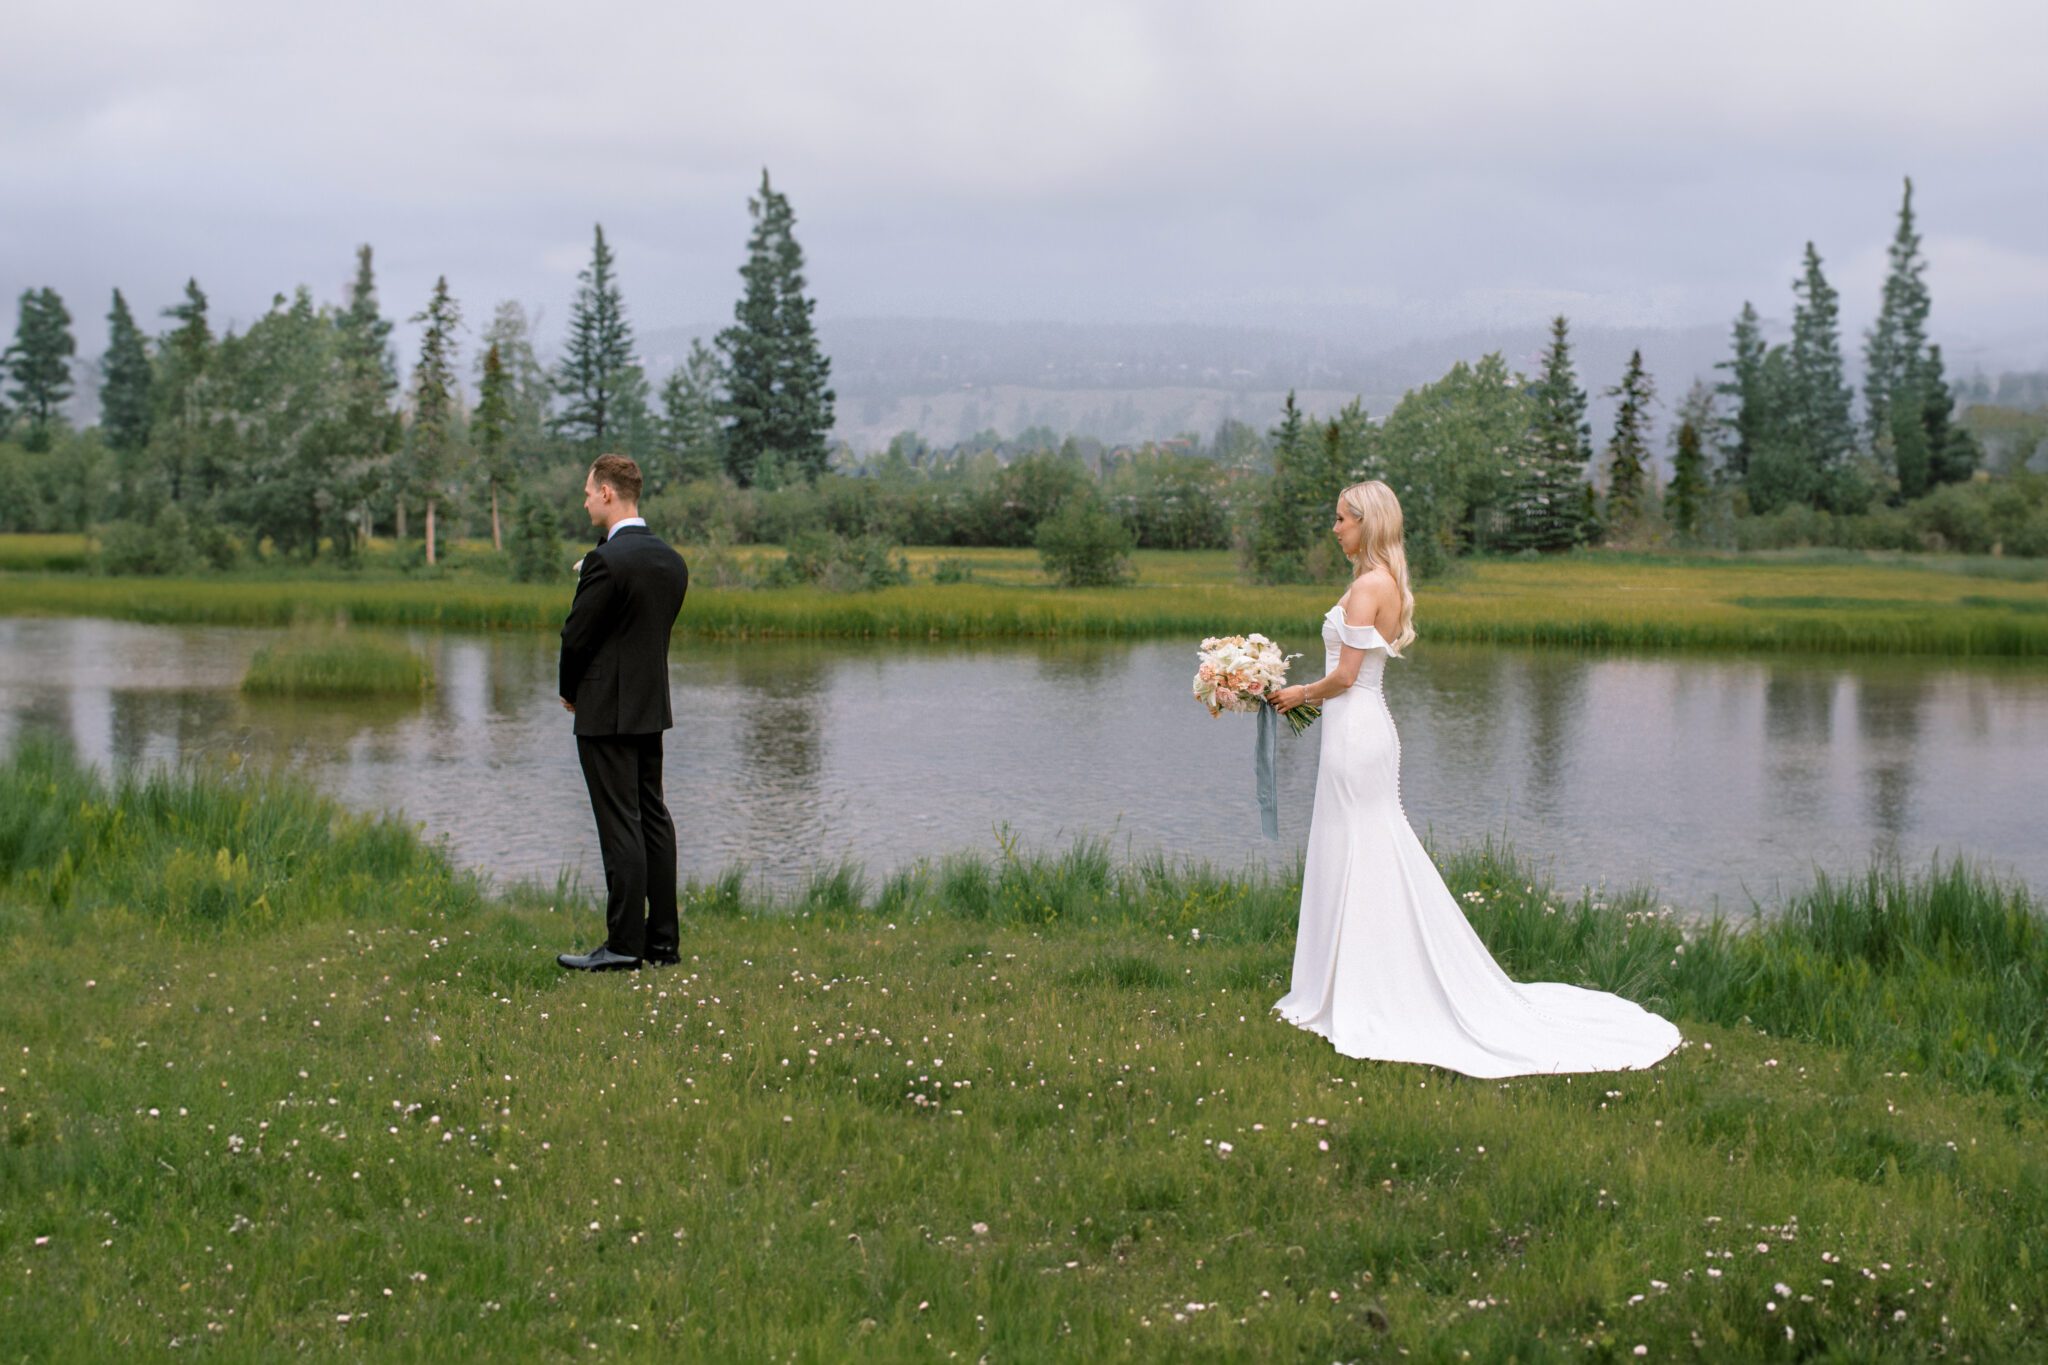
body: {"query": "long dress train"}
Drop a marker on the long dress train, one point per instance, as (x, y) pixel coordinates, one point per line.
(1386, 966)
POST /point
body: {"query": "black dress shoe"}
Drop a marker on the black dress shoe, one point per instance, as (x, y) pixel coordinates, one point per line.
(663, 957)
(598, 960)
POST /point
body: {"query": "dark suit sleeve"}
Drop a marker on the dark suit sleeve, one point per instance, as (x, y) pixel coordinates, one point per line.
(590, 619)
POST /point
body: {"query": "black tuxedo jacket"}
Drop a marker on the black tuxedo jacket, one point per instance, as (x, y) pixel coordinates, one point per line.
(615, 642)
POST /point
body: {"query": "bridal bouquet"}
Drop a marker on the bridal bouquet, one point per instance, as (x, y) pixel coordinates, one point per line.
(1241, 673)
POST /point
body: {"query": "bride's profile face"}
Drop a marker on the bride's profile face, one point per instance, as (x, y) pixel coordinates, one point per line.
(1348, 529)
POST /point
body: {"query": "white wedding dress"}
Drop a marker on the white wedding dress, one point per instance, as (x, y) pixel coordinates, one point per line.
(1386, 965)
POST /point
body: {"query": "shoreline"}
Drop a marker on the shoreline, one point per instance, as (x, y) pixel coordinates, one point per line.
(1586, 603)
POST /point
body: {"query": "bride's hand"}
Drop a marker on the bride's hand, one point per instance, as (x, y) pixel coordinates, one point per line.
(1286, 699)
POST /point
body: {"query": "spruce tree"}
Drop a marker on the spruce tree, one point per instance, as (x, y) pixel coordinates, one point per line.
(1686, 500)
(1750, 413)
(777, 399)
(1544, 509)
(693, 439)
(1820, 419)
(369, 380)
(1628, 449)
(491, 429)
(528, 390)
(1278, 543)
(432, 452)
(600, 351)
(636, 430)
(181, 426)
(1953, 454)
(1893, 347)
(1912, 460)
(39, 364)
(125, 383)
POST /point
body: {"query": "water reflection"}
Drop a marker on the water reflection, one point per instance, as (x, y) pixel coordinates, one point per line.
(1553, 691)
(1888, 723)
(1715, 780)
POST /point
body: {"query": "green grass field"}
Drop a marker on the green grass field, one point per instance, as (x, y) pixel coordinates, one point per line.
(1815, 603)
(279, 1080)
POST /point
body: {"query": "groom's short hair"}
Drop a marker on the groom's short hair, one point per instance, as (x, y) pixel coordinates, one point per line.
(621, 473)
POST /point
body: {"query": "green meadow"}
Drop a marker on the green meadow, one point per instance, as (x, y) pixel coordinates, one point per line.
(279, 1079)
(1816, 603)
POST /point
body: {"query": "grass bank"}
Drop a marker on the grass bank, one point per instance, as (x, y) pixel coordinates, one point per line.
(1811, 604)
(1830, 604)
(332, 665)
(328, 1094)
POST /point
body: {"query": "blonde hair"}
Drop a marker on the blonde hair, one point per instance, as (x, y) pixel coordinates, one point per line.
(1380, 545)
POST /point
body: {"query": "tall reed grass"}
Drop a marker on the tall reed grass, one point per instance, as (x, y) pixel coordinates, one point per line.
(330, 665)
(1581, 603)
(204, 848)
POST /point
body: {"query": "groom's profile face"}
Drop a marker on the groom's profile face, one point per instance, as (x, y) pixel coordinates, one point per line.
(596, 499)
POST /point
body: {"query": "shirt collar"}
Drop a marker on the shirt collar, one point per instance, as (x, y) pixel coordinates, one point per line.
(623, 522)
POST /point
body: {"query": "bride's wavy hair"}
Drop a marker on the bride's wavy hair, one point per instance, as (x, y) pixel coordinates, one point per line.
(1379, 513)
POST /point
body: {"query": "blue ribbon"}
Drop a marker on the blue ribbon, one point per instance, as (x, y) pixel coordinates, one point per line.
(1266, 766)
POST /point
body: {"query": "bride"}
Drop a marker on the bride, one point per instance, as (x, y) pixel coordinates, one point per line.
(1385, 964)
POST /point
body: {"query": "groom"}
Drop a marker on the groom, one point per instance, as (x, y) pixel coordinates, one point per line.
(614, 678)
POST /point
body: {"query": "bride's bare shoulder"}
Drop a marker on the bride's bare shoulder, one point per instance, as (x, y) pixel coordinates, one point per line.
(1367, 593)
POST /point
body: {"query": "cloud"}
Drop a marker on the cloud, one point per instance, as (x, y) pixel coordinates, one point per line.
(1455, 161)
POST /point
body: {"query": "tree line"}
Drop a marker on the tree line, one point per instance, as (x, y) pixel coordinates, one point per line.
(303, 431)
(1487, 460)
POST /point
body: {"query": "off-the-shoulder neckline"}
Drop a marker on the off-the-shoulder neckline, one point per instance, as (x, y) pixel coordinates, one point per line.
(1337, 610)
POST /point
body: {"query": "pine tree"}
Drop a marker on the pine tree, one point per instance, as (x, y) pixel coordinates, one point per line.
(693, 439)
(433, 402)
(600, 351)
(1819, 416)
(1278, 543)
(1628, 449)
(636, 431)
(528, 390)
(1544, 509)
(181, 427)
(1750, 412)
(777, 399)
(1893, 347)
(1953, 454)
(1687, 496)
(39, 363)
(491, 429)
(369, 380)
(125, 383)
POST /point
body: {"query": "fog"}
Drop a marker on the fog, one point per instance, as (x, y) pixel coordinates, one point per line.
(1363, 177)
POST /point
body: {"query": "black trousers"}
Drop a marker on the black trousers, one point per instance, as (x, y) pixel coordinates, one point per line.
(638, 839)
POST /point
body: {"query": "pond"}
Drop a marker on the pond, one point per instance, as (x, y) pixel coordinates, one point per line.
(1717, 780)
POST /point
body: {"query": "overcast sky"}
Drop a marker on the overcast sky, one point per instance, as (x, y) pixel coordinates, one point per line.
(1371, 170)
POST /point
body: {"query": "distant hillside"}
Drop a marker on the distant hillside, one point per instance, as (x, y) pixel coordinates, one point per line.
(948, 379)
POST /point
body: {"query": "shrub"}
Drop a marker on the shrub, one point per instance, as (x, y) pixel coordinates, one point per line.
(1957, 517)
(839, 564)
(534, 543)
(161, 546)
(952, 571)
(1085, 545)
